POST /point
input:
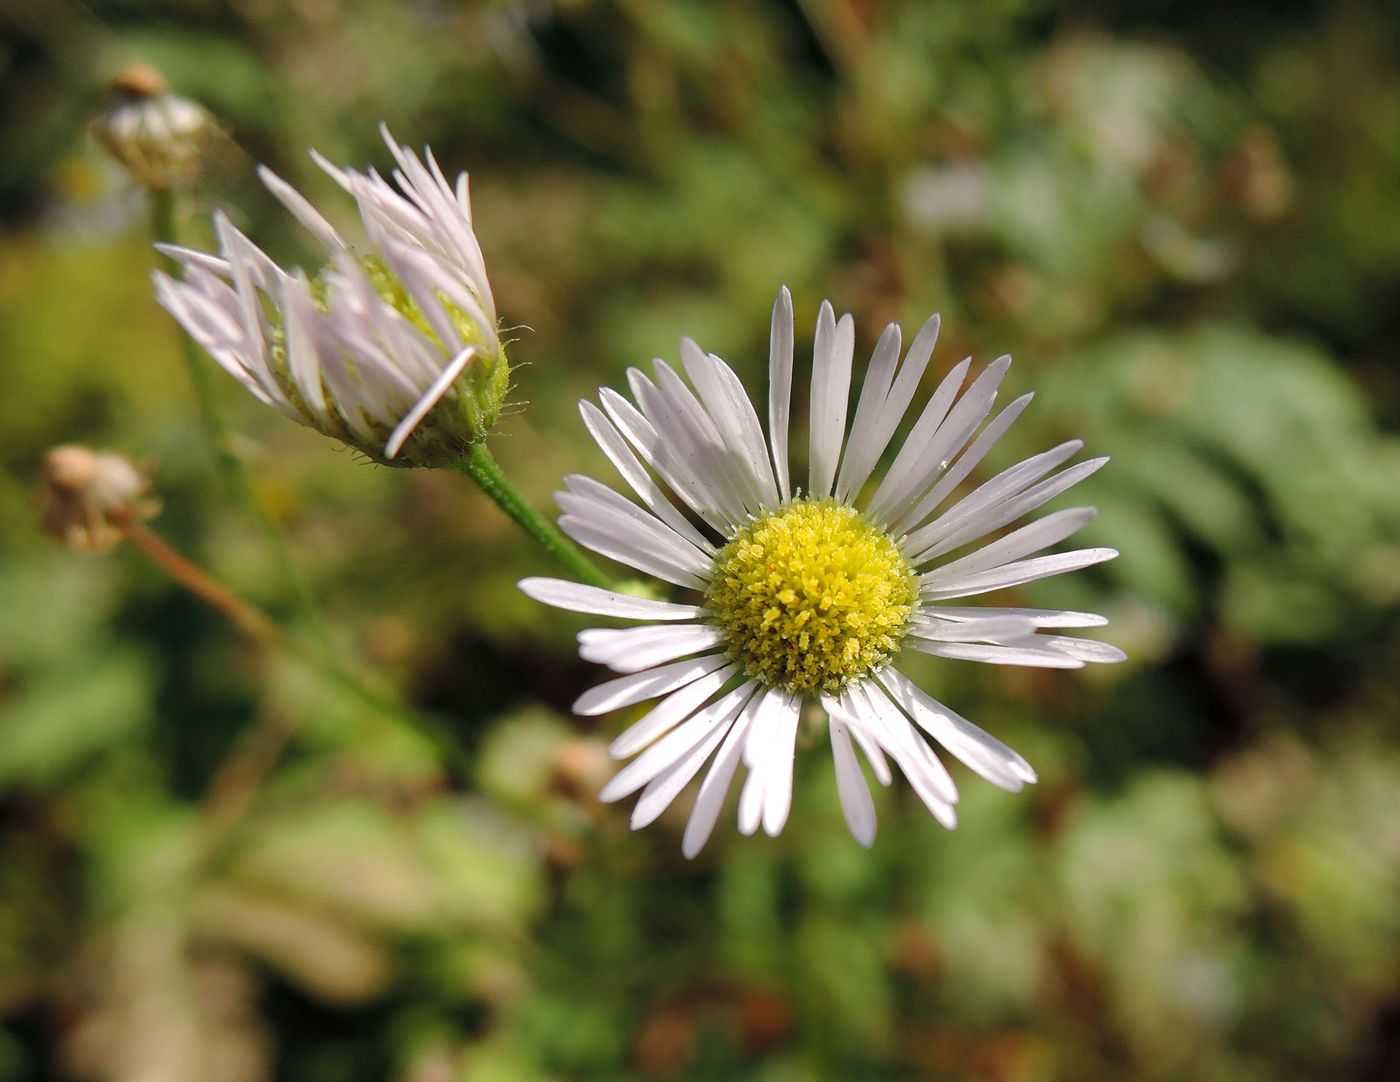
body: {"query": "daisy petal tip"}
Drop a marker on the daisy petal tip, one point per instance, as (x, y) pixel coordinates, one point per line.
(693, 842)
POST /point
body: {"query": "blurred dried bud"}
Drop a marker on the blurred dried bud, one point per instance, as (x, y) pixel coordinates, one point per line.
(160, 138)
(1257, 177)
(90, 495)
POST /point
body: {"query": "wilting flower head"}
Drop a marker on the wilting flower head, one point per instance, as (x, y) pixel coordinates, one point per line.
(392, 348)
(812, 593)
(89, 496)
(160, 138)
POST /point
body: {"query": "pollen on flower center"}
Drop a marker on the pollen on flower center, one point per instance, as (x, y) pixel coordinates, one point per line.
(811, 596)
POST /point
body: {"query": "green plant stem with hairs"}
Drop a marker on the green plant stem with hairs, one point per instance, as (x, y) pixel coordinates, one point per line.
(481, 466)
(229, 465)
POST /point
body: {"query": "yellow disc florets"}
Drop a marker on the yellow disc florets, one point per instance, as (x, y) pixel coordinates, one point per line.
(811, 596)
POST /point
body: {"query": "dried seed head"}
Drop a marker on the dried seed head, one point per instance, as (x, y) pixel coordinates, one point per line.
(160, 138)
(89, 497)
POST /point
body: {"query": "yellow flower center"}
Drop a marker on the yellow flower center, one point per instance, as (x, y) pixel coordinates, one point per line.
(812, 596)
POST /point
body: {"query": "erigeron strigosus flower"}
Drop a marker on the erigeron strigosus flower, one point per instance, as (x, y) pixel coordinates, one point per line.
(392, 348)
(812, 592)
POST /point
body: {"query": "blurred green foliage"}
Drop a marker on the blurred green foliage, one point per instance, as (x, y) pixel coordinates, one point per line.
(1185, 228)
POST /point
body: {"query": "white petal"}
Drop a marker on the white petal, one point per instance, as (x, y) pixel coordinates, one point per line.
(722, 395)
(966, 463)
(424, 406)
(710, 800)
(856, 804)
(637, 648)
(675, 745)
(302, 210)
(979, 750)
(1038, 617)
(672, 468)
(991, 628)
(674, 410)
(303, 358)
(780, 387)
(686, 451)
(615, 447)
(1091, 650)
(670, 712)
(857, 461)
(1031, 538)
(777, 799)
(1019, 654)
(630, 550)
(831, 392)
(577, 597)
(663, 789)
(1005, 498)
(1015, 574)
(599, 506)
(895, 405)
(932, 459)
(639, 687)
(923, 769)
(931, 418)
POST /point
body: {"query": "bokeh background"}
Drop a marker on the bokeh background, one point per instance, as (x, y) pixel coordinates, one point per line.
(1184, 222)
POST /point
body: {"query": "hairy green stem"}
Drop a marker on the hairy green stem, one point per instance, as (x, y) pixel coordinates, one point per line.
(230, 466)
(482, 468)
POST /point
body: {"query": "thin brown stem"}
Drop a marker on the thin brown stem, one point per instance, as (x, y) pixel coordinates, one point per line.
(244, 616)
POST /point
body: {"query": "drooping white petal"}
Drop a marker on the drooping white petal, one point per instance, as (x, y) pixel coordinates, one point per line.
(665, 787)
(675, 745)
(856, 804)
(909, 748)
(710, 800)
(577, 597)
(424, 406)
(778, 764)
(670, 712)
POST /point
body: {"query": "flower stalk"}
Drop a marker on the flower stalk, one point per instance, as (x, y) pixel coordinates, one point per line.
(481, 466)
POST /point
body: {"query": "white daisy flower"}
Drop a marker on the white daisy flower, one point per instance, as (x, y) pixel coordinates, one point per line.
(393, 348)
(812, 592)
